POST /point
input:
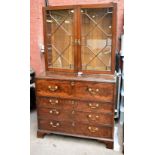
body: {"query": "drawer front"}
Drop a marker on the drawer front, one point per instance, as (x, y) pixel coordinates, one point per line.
(76, 128)
(94, 130)
(85, 117)
(51, 102)
(95, 107)
(54, 88)
(95, 91)
(59, 126)
(53, 113)
(103, 92)
(94, 118)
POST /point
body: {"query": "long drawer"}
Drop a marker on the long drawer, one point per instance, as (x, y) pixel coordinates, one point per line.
(76, 128)
(86, 117)
(85, 106)
(76, 89)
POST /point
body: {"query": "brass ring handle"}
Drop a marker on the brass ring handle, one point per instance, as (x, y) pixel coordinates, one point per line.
(56, 125)
(54, 88)
(93, 129)
(93, 91)
(56, 101)
(54, 111)
(93, 118)
(93, 107)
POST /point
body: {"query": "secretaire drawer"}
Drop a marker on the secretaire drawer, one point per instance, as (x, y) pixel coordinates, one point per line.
(95, 91)
(53, 88)
(76, 128)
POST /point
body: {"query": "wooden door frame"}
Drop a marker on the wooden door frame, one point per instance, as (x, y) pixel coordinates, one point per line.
(44, 9)
(114, 37)
(77, 35)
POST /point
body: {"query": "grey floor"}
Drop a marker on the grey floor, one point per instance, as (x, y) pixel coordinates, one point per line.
(60, 145)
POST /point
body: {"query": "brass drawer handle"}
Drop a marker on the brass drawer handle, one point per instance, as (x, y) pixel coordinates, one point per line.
(54, 111)
(72, 83)
(93, 107)
(93, 118)
(93, 91)
(93, 129)
(51, 102)
(54, 88)
(73, 102)
(56, 125)
(73, 112)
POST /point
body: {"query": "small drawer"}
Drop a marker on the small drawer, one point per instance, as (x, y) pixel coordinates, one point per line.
(95, 91)
(94, 118)
(53, 113)
(95, 107)
(53, 88)
(51, 102)
(94, 130)
(76, 128)
(56, 126)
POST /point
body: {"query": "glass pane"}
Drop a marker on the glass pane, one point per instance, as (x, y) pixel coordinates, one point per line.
(96, 39)
(59, 24)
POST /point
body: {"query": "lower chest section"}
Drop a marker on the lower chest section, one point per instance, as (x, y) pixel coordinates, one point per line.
(76, 107)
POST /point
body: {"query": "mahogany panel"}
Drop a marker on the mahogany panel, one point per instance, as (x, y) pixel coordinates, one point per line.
(76, 128)
(56, 114)
(53, 88)
(52, 102)
(94, 118)
(65, 104)
(53, 125)
(59, 114)
(93, 130)
(95, 107)
(93, 90)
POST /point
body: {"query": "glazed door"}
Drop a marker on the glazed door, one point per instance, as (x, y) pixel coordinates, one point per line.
(97, 40)
(80, 38)
(59, 35)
